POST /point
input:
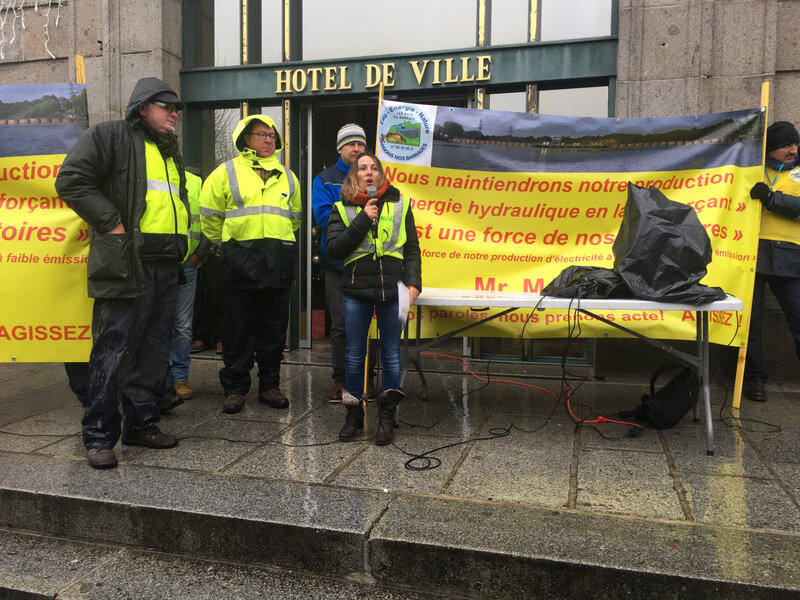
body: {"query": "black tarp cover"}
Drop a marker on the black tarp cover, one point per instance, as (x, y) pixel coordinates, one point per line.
(660, 253)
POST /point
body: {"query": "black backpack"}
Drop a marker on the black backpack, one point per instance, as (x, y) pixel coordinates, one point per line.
(666, 407)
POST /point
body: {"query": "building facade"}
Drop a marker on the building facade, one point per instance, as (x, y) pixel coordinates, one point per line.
(314, 65)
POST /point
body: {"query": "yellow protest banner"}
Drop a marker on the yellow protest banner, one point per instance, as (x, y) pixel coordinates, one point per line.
(45, 314)
(505, 201)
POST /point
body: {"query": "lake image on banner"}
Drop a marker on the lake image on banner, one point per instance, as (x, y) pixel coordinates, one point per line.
(41, 118)
(34, 140)
(499, 158)
(486, 140)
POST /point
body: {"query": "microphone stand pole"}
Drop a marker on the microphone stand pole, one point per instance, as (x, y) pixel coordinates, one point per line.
(377, 137)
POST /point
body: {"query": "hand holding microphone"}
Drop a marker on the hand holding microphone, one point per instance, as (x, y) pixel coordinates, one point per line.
(371, 209)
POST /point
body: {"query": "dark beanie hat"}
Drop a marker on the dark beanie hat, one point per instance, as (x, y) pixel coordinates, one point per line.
(780, 134)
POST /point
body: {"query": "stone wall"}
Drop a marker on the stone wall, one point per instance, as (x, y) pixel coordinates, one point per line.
(120, 41)
(699, 56)
(682, 57)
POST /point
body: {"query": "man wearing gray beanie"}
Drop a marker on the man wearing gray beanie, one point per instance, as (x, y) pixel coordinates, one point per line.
(778, 248)
(326, 188)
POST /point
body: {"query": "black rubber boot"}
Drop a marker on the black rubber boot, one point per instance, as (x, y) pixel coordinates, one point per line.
(387, 406)
(352, 423)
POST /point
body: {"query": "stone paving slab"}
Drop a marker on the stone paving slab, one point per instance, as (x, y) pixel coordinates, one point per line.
(41, 567)
(506, 551)
(290, 525)
(35, 566)
(526, 466)
(627, 483)
(278, 488)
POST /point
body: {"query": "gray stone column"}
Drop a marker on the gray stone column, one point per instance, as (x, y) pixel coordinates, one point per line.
(699, 56)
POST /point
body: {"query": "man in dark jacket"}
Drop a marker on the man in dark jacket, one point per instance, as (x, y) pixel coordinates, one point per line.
(778, 262)
(126, 180)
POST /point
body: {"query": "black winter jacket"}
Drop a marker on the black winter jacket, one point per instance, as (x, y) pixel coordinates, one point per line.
(370, 278)
(104, 180)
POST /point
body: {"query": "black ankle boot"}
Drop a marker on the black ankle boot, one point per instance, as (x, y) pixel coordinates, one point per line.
(753, 389)
(352, 423)
(387, 405)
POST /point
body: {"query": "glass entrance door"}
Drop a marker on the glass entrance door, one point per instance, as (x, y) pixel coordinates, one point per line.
(323, 121)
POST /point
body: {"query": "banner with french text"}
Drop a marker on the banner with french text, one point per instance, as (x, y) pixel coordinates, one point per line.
(45, 314)
(505, 201)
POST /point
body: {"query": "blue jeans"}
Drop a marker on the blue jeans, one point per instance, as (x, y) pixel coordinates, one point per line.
(357, 317)
(182, 331)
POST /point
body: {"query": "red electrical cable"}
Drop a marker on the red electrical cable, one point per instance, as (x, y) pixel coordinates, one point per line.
(598, 419)
(478, 377)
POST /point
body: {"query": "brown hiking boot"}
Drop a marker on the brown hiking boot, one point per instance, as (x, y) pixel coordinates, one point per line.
(182, 390)
(101, 458)
(274, 398)
(198, 346)
(233, 404)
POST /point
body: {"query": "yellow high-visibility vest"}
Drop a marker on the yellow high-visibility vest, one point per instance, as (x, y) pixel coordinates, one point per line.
(391, 230)
(193, 186)
(247, 207)
(165, 212)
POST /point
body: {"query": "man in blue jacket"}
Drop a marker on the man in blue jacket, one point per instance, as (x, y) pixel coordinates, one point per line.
(327, 186)
(126, 180)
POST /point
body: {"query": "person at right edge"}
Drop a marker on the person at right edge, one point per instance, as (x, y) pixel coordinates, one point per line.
(251, 204)
(778, 263)
(372, 229)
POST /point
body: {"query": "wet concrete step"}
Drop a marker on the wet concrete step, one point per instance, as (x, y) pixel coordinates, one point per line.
(449, 546)
(34, 567)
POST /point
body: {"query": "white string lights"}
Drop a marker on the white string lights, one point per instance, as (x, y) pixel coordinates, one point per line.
(12, 11)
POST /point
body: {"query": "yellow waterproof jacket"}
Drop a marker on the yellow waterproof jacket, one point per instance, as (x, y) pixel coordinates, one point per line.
(256, 220)
(193, 187)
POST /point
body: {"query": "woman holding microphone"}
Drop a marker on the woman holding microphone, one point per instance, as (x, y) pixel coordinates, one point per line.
(372, 229)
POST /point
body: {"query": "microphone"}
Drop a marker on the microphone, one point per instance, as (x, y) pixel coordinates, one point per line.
(372, 192)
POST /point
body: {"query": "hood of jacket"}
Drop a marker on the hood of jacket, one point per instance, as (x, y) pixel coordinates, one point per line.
(145, 88)
(269, 163)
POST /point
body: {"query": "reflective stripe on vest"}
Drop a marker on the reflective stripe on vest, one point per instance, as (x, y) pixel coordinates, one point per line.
(391, 230)
(234, 217)
(773, 225)
(165, 212)
(193, 186)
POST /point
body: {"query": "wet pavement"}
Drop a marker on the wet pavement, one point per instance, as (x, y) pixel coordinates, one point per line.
(490, 490)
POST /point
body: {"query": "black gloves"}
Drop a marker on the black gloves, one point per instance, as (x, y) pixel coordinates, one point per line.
(761, 191)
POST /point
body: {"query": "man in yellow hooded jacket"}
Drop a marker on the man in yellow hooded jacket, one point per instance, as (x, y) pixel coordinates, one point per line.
(251, 204)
